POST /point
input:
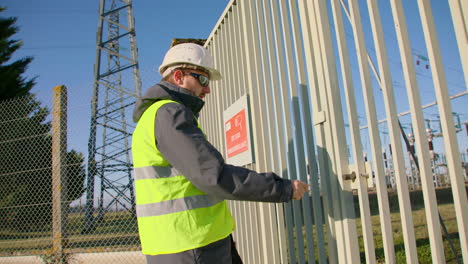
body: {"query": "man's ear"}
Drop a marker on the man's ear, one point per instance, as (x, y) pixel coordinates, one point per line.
(178, 75)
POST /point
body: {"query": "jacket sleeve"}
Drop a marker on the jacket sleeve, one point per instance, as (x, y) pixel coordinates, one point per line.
(185, 147)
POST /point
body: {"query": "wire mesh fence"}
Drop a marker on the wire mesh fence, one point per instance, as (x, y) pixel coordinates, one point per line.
(42, 191)
(25, 177)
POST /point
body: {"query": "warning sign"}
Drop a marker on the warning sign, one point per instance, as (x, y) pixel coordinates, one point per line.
(237, 133)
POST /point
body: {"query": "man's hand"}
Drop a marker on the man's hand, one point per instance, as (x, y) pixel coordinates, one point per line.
(299, 188)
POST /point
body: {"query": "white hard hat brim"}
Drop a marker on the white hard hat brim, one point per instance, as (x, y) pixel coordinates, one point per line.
(215, 75)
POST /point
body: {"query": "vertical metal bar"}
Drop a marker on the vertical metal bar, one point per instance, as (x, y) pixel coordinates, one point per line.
(91, 168)
(459, 10)
(243, 239)
(336, 148)
(270, 70)
(249, 207)
(226, 92)
(242, 48)
(373, 132)
(227, 62)
(224, 89)
(307, 129)
(252, 65)
(237, 52)
(294, 53)
(134, 50)
(277, 157)
(262, 162)
(257, 107)
(244, 208)
(256, 249)
(314, 177)
(319, 101)
(273, 235)
(296, 156)
(416, 116)
(285, 119)
(310, 146)
(218, 94)
(217, 119)
(343, 208)
(225, 71)
(269, 235)
(207, 111)
(354, 128)
(258, 124)
(224, 102)
(271, 247)
(312, 54)
(249, 233)
(390, 108)
(215, 90)
(230, 58)
(59, 181)
(450, 141)
(222, 82)
(211, 115)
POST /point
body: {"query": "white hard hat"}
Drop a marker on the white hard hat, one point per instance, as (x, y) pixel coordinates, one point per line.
(192, 54)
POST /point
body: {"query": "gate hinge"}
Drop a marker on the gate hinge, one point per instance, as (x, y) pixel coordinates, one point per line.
(319, 118)
(363, 176)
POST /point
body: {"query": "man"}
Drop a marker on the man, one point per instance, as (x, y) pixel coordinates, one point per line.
(181, 179)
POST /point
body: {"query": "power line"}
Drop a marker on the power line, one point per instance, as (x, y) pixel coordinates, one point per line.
(57, 47)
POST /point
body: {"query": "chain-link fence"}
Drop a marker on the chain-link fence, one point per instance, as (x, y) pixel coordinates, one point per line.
(25, 177)
(43, 187)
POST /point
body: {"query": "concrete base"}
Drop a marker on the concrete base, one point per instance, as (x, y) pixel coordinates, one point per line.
(21, 260)
(128, 257)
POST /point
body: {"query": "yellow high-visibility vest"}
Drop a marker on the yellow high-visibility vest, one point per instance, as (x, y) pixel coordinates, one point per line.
(173, 215)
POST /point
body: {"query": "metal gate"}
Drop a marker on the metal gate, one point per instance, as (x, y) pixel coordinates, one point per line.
(341, 95)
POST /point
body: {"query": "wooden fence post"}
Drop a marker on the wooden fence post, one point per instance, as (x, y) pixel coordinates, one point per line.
(59, 188)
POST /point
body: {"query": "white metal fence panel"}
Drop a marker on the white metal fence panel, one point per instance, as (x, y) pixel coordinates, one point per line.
(312, 71)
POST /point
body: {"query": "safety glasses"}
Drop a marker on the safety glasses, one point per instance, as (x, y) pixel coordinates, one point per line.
(202, 79)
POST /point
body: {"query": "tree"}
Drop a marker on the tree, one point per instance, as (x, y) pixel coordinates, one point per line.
(12, 83)
(26, 146)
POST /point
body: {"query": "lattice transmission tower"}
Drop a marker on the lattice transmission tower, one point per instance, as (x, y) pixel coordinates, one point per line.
(117, 84)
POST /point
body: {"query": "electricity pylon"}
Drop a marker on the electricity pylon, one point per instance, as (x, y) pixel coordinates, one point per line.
(109, 176)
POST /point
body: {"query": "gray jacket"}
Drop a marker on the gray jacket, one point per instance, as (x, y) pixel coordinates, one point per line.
(185, 147)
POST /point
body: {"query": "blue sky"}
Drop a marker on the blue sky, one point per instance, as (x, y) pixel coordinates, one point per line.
(61, 36)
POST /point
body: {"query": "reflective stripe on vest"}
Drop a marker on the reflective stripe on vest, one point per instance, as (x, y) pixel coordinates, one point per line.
(173, 215)
(151, 172)
(176, 205)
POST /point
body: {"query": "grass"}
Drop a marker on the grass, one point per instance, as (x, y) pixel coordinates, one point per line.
(445, 208)
(447, 212)
(118, 231)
